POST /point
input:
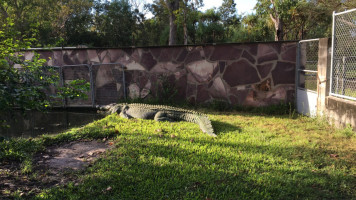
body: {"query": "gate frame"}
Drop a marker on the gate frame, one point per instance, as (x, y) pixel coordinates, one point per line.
(297, 76)
(92, 86)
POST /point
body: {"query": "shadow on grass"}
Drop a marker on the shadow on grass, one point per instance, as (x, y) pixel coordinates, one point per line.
(221, 128)
(247, 114)
(144, 170)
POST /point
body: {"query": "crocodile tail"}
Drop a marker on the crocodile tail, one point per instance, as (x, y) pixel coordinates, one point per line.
(198, 118)
(205, 125)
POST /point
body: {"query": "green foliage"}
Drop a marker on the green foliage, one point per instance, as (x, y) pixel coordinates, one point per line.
(22, 87)
(348, 131)
(253, 28)
(47, 21)
(114, 23)
(167, 90)
(99, 23)
(218, 105)
(23, 83)
(277, 109)
(209, 29)
(272, 110)
(75, 89)
(299, 19)
(18, 149)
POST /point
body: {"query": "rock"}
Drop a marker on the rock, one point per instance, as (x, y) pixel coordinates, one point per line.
(265, 69)
(193, 56)
(148, 61)
(134, 91)
(266, 53)
(288, 71)
(240, 73)
(202, 70)
(217, 90)
(249, 57)
(202, 94)
(93, 56)
(225, 52)
(290, 54)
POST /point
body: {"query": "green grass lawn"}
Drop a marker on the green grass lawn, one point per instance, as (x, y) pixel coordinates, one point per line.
(253, 157)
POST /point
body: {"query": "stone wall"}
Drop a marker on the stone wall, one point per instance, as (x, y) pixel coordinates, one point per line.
(341, 112)
(254, 74)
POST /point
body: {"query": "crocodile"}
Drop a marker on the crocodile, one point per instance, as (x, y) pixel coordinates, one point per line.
(160, 113)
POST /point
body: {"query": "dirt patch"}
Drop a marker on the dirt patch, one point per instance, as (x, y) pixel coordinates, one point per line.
(75, 155)
(58, 165)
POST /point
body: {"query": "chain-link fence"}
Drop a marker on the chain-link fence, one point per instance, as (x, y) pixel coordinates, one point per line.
(74, 72)
(108, 83)
(343, 70)
(308, 64)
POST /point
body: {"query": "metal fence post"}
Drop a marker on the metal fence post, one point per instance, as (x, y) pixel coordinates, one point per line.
(62, 84)
(92, 88)
(297, 76)
(332, 54)
(123, 80)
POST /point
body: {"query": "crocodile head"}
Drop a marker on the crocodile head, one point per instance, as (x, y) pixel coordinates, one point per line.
(111, 108)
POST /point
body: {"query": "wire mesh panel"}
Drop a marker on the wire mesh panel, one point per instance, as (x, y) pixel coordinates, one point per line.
(108, 83)
(308, 64)
(74, 72)
(343, 75)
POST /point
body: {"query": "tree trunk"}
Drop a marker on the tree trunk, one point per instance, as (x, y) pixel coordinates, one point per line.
(172, 6)
(278, 25)
(185, 30)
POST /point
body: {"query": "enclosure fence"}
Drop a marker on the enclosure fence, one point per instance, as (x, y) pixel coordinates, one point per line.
(106, 79)
(343, 57)
(307, 64)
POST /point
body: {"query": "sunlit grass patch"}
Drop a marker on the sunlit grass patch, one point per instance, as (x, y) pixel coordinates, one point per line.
(253, 157)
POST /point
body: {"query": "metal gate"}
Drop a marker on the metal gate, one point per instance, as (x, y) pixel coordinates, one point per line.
(306, 77)
(343, 66)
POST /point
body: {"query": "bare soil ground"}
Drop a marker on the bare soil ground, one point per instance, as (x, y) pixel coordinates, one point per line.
(58, 165)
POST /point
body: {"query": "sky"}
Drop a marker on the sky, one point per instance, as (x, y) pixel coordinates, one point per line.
(243, 6)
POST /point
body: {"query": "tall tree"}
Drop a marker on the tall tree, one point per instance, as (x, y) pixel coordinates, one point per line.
(210, 28)
(179, 10)
(114, 22)
(229, 17)
(155, 31)
(278, 11)
(187, 19)
(172, 7)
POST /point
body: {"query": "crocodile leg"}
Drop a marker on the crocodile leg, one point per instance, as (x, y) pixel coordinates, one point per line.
(161, 116)
(123, 114)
